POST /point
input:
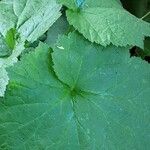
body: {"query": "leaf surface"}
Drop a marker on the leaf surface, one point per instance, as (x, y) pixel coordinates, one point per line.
(30, 19)
(3, 81)
(5, 51)
(106, 22)
(96, 99)
(59, 28)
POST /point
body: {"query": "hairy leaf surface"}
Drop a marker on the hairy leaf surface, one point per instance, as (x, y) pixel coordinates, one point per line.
(5, 51)
(30, 19)
(105, 22)
(95, 100)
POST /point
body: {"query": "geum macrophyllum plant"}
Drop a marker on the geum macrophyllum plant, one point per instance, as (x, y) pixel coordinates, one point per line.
(76, 87)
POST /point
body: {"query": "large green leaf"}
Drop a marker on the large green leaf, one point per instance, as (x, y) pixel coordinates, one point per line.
(100, 101)
(30, 19)
(105, 22)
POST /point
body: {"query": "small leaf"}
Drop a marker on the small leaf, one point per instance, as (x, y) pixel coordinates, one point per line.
(11, 38)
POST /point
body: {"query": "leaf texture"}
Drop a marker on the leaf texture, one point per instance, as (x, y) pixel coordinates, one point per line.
(59, 28)
(3, 81)
(30, 19)
(106, 22)
(92, 102)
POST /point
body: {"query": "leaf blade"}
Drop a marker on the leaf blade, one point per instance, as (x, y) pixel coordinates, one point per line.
(108, 23)
(112, 113)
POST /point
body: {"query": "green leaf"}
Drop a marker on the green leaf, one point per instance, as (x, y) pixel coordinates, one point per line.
(3, 81)
(7, 43)
(7, 62)
(10, 38)
(106, 22)
(100, 101)
(7, 17)
(30, 19)
(59, 28)
(5, 51)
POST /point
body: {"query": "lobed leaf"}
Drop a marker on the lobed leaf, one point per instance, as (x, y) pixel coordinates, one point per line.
(30, 19)
(107, 22)
(96, 99)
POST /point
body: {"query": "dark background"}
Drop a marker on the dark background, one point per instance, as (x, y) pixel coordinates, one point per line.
(139, 8)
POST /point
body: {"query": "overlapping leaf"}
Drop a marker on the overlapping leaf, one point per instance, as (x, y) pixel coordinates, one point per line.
(5, 51)
(3, 81)
(96, 99)
(30, 18)
(8, 57)
(59, 28)
(105, 22)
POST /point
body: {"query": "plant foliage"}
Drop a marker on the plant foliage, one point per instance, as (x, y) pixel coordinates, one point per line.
(30, 19)
(79, 89)
(107, 22)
